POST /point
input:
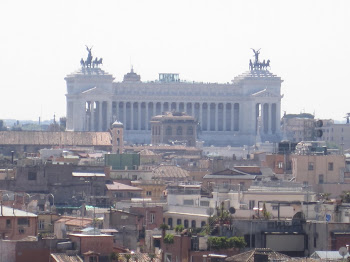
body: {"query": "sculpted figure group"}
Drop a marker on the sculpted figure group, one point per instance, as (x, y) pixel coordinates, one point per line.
(257, 65)
(89, 62)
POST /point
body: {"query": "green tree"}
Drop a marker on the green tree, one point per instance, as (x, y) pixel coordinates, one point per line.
(114, 256)
(164, 227)
(179, 228)
(169, 239)
(127, 257)
(325, 196)
(345, 197)
(265, 213)
(225, 243)
(237, 242)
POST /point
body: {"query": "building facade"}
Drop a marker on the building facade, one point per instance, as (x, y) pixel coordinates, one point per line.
(228, 114)
(298, 127)
(174, 127)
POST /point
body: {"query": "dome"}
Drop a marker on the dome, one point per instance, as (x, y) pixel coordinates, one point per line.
(117, 124)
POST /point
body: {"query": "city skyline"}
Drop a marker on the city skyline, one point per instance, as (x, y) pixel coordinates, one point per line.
(203, 41)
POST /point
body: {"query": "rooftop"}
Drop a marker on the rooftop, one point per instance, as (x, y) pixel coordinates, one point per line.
(122, 187)
(12, 212)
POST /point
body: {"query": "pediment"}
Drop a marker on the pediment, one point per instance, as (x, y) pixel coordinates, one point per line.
(265, 93)
(93, 91)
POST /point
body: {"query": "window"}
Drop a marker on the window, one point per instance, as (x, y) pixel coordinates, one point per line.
(168, 258)
(178, 221)
(153, 218)
(203, 223)
(21, 231)
(330, 166)
(241, 186)
(170, 222)
(31, 175)
(149, 193)
(320, 179)
(305, 183)
(280, 164)
(93, 259)
(179, 131)
(190, 130)
(188, 202)
(250, 240)
(204, 203)
(274, 207)
(23, 221)
(251, 204)
(8, 223)
(41, 224)
(118, 194)
(315, 241)
(186, 223)
(193, 223)
(168, 131)
(311, 166)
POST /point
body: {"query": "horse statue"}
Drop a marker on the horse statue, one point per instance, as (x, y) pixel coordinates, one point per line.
(97, 62)
(268, 64)
(82, 63)
(250, 65)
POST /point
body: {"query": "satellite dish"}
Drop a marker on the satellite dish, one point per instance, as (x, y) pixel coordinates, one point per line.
(210, 211)
(343, 251)
(232, 210)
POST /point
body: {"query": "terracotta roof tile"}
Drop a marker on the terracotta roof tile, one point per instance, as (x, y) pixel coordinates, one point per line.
(55, 138)
(170, 172)
(62, 257)
(249, 255)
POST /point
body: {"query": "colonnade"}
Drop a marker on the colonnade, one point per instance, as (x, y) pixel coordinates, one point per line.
(136, 115)
(212, 116)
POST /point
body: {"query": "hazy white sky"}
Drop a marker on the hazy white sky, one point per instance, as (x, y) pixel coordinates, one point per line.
(308, 43)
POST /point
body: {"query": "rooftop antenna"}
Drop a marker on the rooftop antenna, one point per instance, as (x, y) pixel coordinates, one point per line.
(131, 66)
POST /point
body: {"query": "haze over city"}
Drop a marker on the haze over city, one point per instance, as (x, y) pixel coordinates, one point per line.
(205, 41)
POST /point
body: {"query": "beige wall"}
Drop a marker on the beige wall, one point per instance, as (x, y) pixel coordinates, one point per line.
(320, 163)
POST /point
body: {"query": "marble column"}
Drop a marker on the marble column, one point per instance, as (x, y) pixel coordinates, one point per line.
(139, 104)
(99, 117)
(200, 114)
(216, 109)
(147, 116)
(92, 116)
(232, 116)
(224, 117)
(124, 114)
(109, 114)
(269, 129)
